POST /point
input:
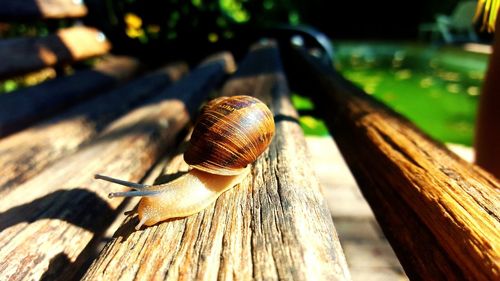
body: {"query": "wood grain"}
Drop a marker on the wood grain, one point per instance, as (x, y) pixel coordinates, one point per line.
(21, 55)
(440, 213)
(274, 225)
(48, 223)
(28, 152)
(41, 9)
(22, 108)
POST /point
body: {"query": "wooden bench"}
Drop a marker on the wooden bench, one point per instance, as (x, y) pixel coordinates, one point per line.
(440, 214)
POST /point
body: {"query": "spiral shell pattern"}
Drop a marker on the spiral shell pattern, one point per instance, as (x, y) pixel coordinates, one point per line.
(231, 133)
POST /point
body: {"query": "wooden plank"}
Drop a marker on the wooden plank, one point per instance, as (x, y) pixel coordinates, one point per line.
(22, 55)
(22, 108)
(41, 9)
(49, 223)
(28, 152)
(440, 213)
(274, 225)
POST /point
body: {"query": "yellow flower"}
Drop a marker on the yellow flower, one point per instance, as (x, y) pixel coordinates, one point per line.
(134, 33)
(133, 21)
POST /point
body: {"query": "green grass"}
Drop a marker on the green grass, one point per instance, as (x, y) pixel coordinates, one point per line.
(436, 88)
(311, 125)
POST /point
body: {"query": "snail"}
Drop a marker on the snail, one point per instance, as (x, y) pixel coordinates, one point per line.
(229, 135)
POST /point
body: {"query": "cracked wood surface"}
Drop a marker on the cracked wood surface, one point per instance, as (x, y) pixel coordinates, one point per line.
(28, 152)
(49, 224)
(274, 225)
(440, 213)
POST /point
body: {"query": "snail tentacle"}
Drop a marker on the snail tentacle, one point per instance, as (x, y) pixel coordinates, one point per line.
(141, 222)
(134, 193)
(133, 185)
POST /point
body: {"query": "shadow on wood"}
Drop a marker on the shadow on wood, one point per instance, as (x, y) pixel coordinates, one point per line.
(286, 118)
(63, 205)
(56, 266)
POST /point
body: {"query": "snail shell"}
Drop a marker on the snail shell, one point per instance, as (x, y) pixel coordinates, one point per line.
(230, 133)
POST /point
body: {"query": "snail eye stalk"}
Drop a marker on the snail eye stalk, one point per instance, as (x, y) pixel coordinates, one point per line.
(133, 185)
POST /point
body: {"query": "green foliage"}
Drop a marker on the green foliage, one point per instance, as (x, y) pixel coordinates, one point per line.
(9, 86)
(174, 20)
(234, 10)
(11, 30)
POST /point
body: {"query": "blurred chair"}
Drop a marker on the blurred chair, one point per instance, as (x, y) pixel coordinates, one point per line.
(453, 28)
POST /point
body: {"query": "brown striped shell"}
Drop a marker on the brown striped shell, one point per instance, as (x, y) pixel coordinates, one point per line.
(230, 134)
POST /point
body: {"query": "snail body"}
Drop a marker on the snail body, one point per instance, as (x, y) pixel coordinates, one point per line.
(230, 134)
(186, 196)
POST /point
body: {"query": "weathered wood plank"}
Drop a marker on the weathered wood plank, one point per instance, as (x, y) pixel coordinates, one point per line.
(48, 222)
(28, 152)
(22, 108)
(440, 213)
(44, 9)
(21, 55)
(274, 225)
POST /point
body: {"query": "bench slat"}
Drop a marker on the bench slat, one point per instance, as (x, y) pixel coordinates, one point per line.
(440, 213)
(24, 107)
(50, 221)
(275, 225)
(22, 55)
(28, 152)
(41, 9)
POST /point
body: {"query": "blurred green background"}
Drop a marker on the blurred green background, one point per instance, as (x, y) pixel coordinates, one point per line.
(435, 87)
